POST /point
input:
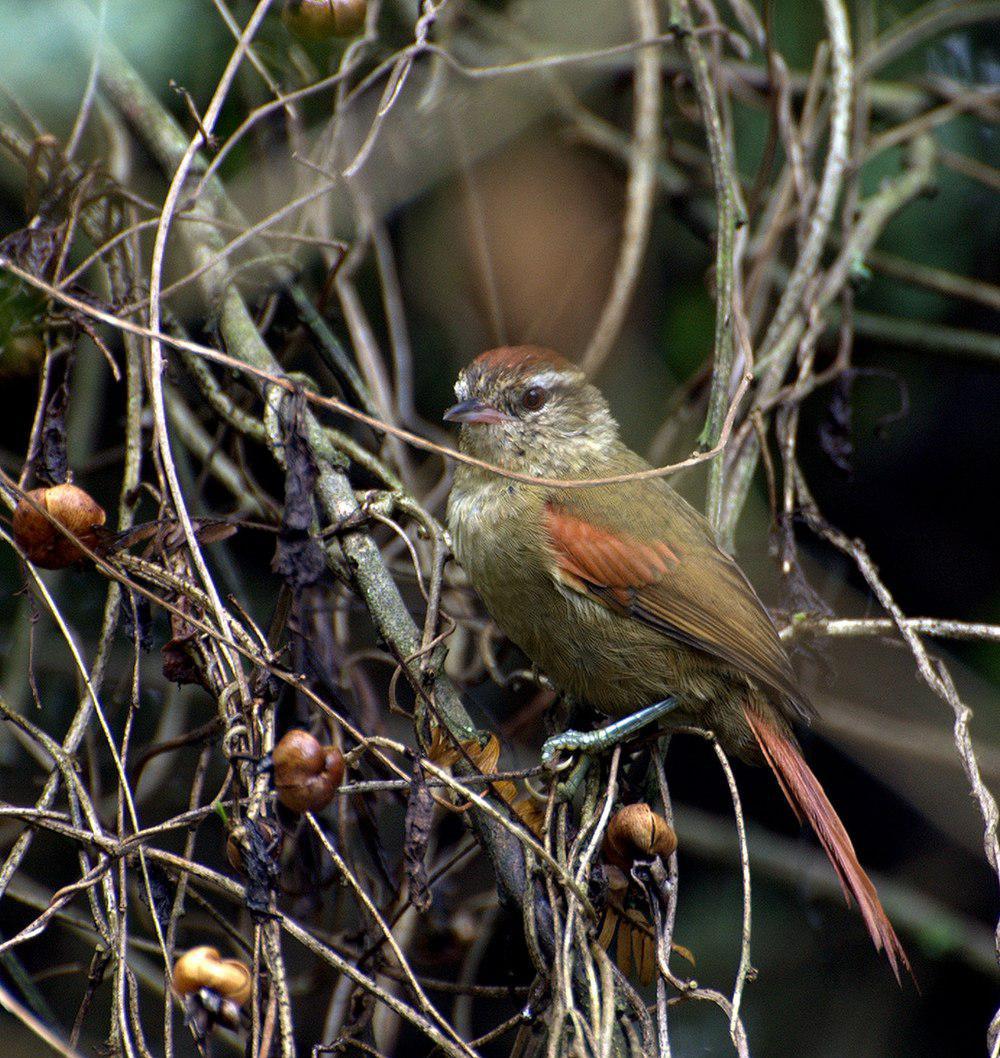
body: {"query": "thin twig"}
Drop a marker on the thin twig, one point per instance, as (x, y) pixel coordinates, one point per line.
(639, 190)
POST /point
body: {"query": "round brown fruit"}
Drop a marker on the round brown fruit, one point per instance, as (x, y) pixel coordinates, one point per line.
(42, 542)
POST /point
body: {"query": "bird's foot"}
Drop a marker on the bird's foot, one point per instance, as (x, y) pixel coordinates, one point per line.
(591, 743)
(594, 742)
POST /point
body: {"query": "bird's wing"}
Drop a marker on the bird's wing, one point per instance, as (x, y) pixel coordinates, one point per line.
(663, 568)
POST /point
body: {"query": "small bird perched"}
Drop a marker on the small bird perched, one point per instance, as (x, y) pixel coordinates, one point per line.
(620, 593)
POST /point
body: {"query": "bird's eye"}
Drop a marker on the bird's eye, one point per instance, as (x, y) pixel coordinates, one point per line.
(533, 398)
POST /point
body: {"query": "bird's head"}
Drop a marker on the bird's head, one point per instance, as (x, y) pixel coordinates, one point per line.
(529, 409)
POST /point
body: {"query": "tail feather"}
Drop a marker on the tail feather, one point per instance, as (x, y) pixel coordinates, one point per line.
(808, 800)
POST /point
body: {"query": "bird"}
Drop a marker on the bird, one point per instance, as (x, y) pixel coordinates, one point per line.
(619, 592)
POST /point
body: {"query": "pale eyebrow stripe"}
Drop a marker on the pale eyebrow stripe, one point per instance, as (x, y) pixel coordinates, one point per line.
(548, 379)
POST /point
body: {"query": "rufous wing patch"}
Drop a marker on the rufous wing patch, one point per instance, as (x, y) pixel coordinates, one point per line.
(654, 583)
(588, 555)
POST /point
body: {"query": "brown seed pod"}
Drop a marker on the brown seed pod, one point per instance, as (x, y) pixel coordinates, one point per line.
(203, 967)
(306, 774)
(636, 832)
(321, 19)
(41, 541)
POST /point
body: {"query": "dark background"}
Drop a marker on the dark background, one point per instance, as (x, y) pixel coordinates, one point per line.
(921, 491)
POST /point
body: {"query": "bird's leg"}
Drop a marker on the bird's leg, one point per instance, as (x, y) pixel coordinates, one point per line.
(592, 742)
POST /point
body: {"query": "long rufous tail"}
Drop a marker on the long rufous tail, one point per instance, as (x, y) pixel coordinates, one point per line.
(807, 798)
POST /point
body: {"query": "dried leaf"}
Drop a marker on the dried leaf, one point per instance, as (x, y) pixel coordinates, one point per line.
(32, 249)
(635, 942)
(298, 557)
(835, 429)
(445, 753)
(261, 868)
(505, 790)
(531, 812)
(684, 953)
(419, 817)
(213, 530)
(181, 663)
(608, 925)
(54, 465)
(635, 952)
(442, 750)
(485, 757)
(623, 951)
(802, 595)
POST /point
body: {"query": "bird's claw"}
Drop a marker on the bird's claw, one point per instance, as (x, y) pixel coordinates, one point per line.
(595, 742)
(574, 741)
(592, 743)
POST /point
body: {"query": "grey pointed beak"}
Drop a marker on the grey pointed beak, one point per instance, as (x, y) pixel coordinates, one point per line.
(475, 411)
